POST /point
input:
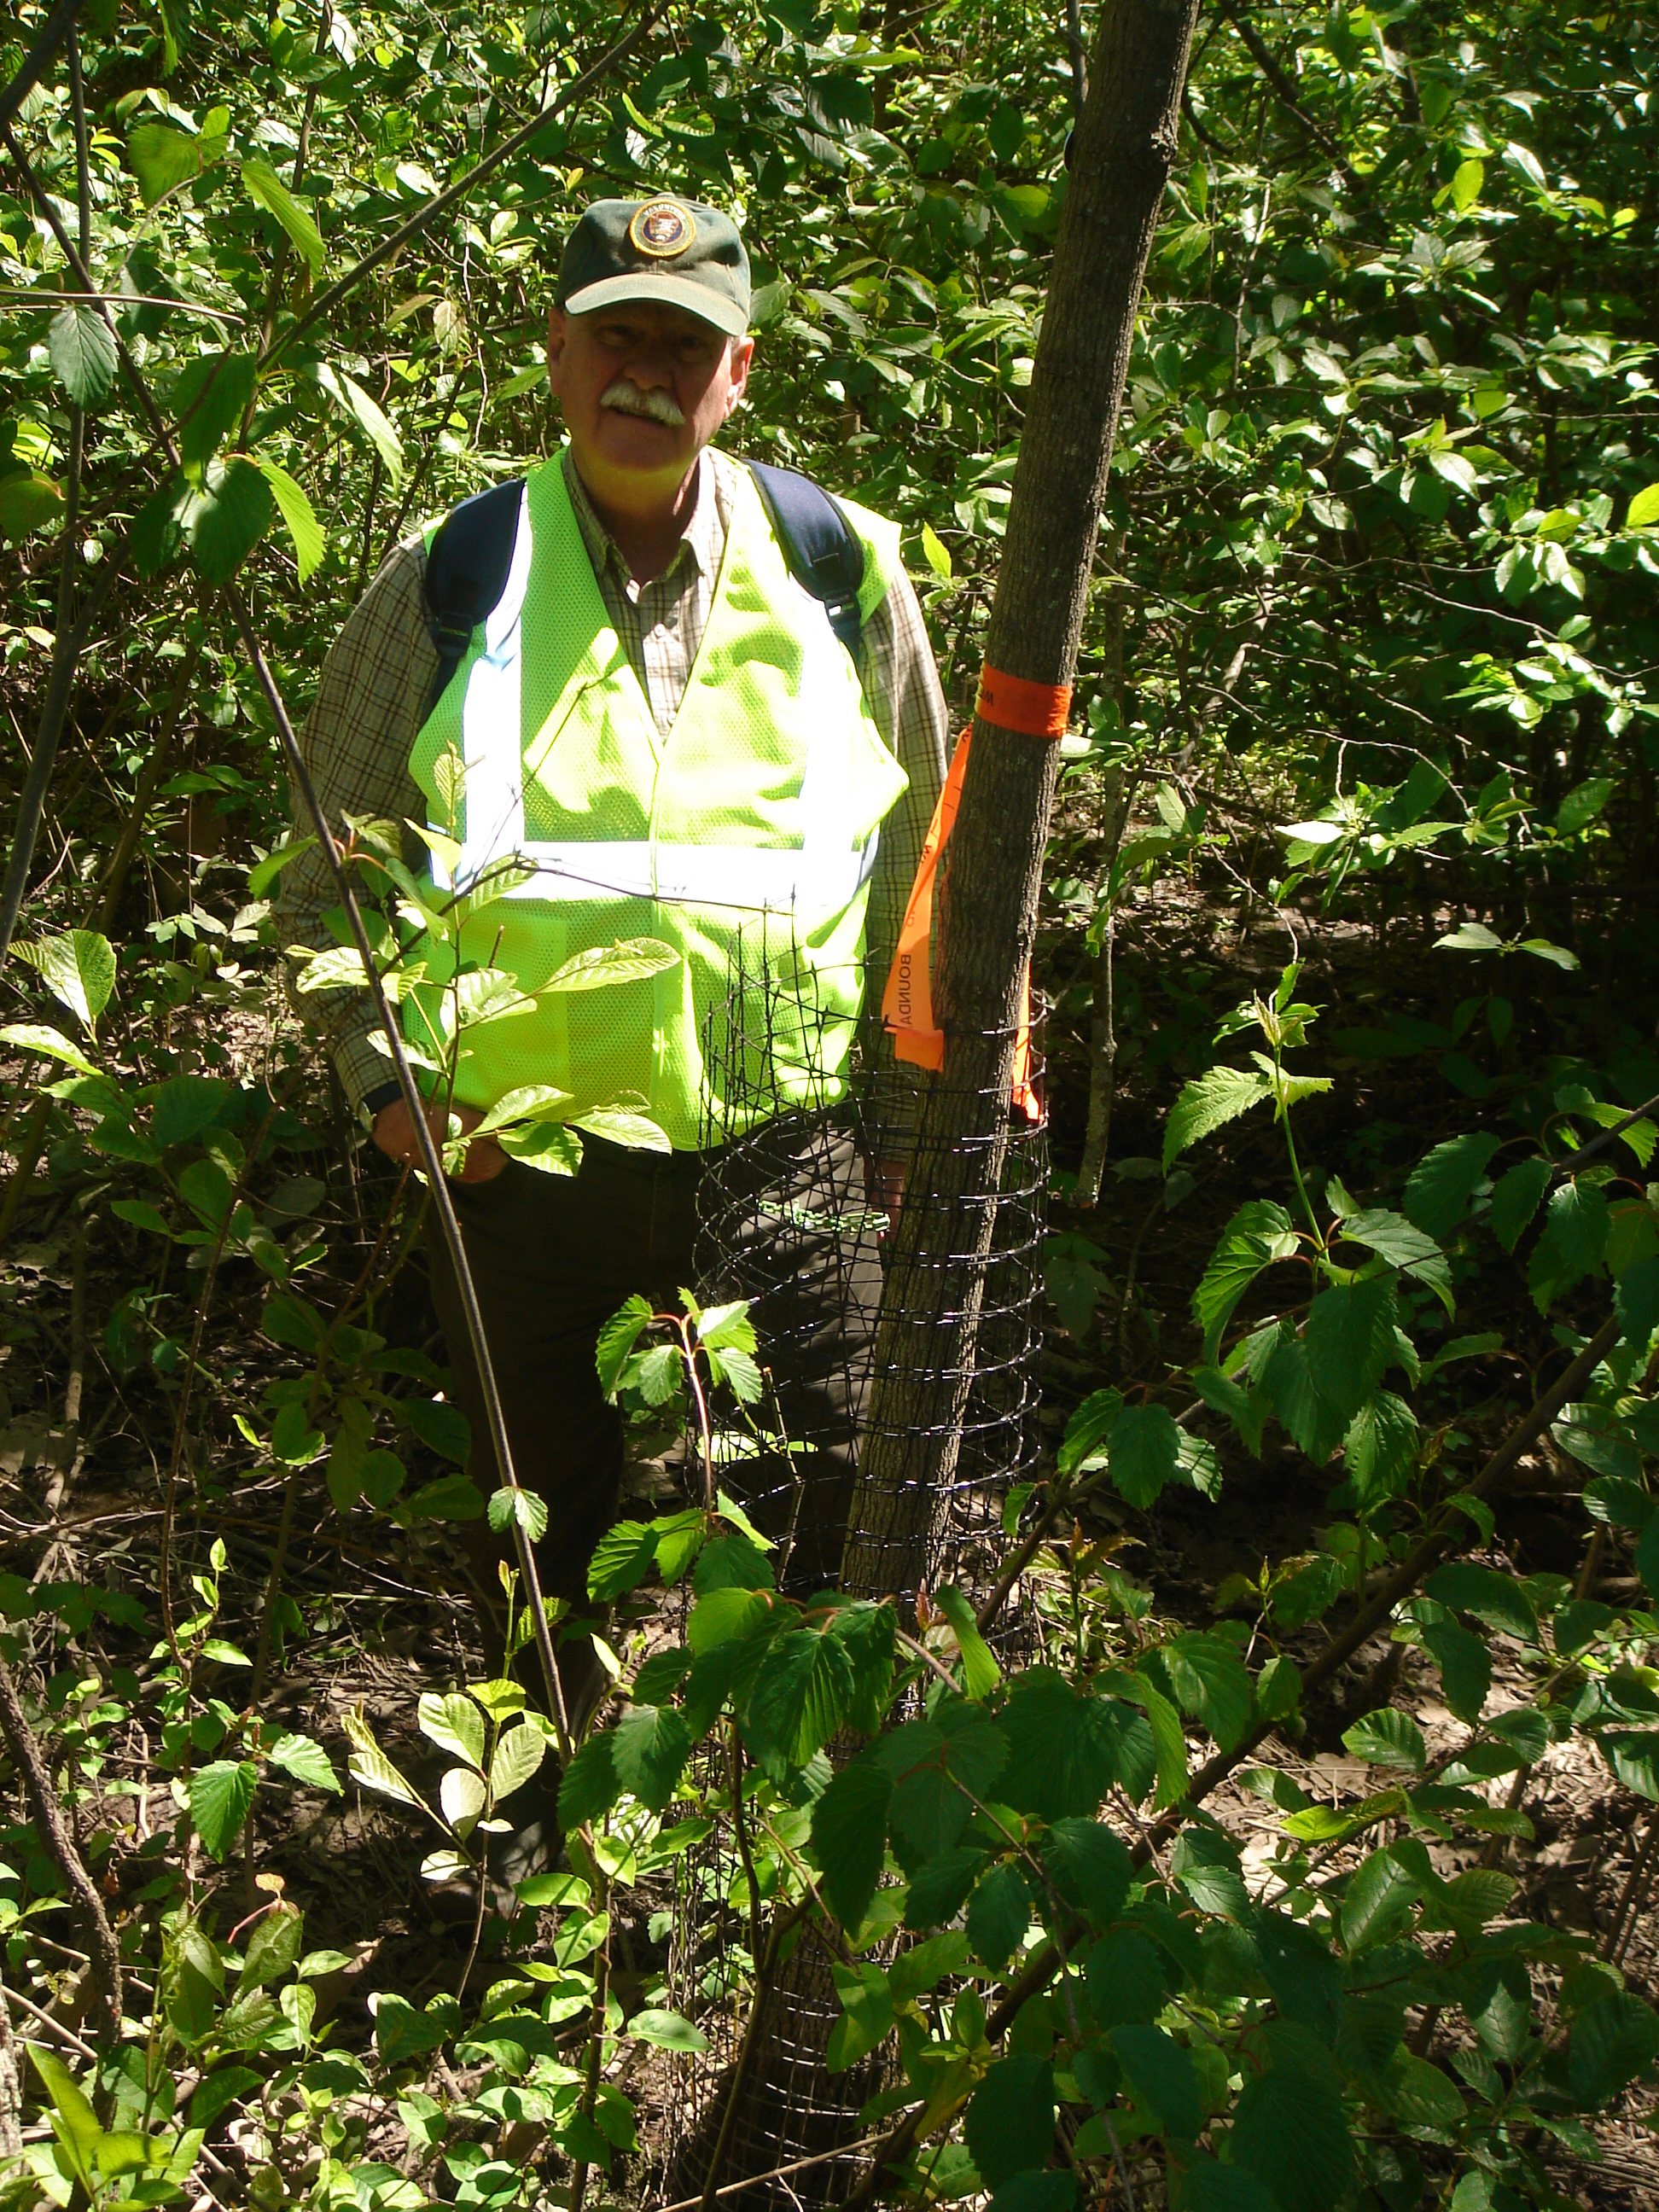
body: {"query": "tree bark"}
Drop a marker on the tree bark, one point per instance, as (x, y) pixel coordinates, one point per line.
(1122, 152)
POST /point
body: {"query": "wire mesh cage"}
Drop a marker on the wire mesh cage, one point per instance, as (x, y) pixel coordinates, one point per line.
(907, 1386)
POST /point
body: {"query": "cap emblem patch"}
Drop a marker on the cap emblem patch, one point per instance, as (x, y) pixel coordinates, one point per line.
(662, 230)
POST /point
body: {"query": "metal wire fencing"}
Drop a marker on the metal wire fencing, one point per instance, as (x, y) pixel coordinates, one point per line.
(810, 1128)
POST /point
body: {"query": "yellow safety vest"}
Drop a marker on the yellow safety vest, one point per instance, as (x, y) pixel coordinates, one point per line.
(744, 839)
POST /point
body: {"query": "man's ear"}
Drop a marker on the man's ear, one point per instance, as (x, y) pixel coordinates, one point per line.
(742, 352)
(558, 328)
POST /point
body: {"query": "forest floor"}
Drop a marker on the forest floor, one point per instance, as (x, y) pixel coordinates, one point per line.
(386, 1619)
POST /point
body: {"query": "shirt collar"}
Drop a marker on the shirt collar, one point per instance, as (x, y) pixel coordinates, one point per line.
(698, 544)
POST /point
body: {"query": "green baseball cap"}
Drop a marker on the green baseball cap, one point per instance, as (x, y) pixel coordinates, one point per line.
(669, 249)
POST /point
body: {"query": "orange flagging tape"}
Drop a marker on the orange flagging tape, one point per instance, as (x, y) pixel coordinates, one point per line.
(1035, 710)
(907, 1004)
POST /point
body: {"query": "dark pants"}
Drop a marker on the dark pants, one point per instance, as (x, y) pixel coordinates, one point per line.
(553, 1256)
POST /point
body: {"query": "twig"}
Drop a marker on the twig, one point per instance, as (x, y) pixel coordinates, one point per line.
(58, 2027)
(105, 1960)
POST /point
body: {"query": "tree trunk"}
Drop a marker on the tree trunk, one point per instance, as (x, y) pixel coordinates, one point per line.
(1122, 155)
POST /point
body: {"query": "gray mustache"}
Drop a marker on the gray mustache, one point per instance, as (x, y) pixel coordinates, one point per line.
(627, 398)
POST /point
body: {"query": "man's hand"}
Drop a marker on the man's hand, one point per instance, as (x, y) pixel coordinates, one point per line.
(394, 1133)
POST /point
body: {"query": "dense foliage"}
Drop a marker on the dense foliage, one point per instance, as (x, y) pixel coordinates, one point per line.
(1364, 693)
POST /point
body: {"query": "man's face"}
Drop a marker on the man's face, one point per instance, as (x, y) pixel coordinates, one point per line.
(643, 387)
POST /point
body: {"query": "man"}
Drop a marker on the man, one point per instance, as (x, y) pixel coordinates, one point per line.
(660, 719)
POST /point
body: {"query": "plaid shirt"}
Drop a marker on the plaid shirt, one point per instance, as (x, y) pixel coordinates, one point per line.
(375, 691)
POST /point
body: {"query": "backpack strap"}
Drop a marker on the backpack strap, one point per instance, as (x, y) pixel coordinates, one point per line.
(466, 571)
(821, 546)
(468, 562)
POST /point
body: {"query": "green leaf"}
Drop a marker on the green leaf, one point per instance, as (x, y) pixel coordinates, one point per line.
(162, 157)
(306, 1761)
(443, 1427)
(1497, 1599)
(628, 960)
(980, 1672)
(1258, 1235)
(212, 396)
(1571, 1242)
(297, 512)
(935, 553)
(1636, 1296)
(1211, 2187)
(1380, 1449)
(1289, 2131)
(273, 1947)
(998, 1914)
(142, 1214)
(1379, 1896)
(1514, 1202)
(1349, 1340)
(1142, 1453)
(668, 2031)
(81, 348)
(617, 1339)
(451, 1498)
(1614, 2040)
(1088, 1424)
(1388, 1738)
(454, 1723)
(1465, 1666)
(800, 1698)
(267, 189)
(1211, 1680)
(1582, 806)
(1441, 1185)
(368, 415)
(1644, 510)
(220, 1795)
(185, 1107)
(1010, 2118)
(1036, 2192)
(623, 1557)
(227, 519)
(1062, 1749)
(652, 1746)
(34, 1036)
(1090, 1867)
(1127, 1981)
(867, 2014)
(849, 1836)
(637, 1133)
(78, 968)
(510, 1507)
(1394, 1239)
(29, 502)
(519, 1754)
(293, 1439)
(1170, 1742)
(591, 1784)
(938, 1889)
(1208, 1103)
(1162, 2077)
